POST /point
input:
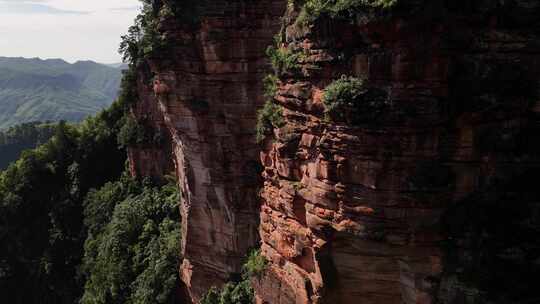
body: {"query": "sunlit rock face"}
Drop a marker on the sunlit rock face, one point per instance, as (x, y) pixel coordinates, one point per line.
(428, 197)
(203, 93)
(431, 201)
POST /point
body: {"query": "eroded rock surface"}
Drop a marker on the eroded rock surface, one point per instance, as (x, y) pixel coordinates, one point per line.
(407, 207)
(429, 199)
(206, 90)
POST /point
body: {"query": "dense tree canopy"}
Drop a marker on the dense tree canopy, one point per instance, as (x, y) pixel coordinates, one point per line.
(63, 240)
(22, 137)
(131, 253)
(73, 227)
(41, 210)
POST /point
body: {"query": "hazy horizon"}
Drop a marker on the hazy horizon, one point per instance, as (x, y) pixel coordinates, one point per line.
(68, 61)
(72, 30)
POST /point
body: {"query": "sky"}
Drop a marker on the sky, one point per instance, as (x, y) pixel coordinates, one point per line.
(68, 29)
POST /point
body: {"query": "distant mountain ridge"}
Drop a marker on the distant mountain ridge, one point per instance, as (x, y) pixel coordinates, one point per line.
(119, 65)
(53, 89)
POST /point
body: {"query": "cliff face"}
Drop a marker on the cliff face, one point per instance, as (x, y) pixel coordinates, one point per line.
(404, 207)
(417, 202)
(205, 91)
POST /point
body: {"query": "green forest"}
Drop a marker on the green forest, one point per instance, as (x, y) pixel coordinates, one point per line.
(23, 137)
(75, 227)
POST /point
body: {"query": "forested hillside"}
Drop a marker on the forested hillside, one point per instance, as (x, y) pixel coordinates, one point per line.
(41, 90)
(73, 226)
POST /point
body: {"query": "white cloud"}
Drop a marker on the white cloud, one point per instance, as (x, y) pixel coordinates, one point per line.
(68, 29)
(11, 7)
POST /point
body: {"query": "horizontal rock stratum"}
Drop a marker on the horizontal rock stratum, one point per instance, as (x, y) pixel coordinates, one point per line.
(423, 192)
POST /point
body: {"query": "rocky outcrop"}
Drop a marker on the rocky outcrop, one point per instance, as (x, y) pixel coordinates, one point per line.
(428, 197)
(206, 90)
(155, 158)
(408, 206)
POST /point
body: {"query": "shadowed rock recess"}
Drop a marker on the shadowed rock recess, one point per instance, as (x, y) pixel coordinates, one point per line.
(423, 189)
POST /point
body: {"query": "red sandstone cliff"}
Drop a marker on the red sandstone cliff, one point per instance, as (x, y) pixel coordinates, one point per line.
(351, 214)
(359, 214)
(205, 91)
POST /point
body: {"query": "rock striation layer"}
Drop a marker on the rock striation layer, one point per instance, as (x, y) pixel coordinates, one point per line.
(204, 93)
(429, 198)
(405, 206)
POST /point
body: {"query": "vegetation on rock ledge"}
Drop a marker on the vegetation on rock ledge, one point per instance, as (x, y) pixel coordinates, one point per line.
(351, 101)
(283, 59)
(311, 10)
(270, 86)
(268, 118)
(255, 264)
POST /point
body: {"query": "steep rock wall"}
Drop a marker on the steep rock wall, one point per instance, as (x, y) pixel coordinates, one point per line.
(407, 207)
(206, 90)
(155, 158)
(421, 205)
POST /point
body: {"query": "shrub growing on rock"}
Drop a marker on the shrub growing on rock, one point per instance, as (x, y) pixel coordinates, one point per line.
(351, 101)
(270, 86)
(283, 59)
(255, 264)
(269, 117)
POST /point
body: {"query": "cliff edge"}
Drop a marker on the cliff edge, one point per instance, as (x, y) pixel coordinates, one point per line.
(398, 147)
